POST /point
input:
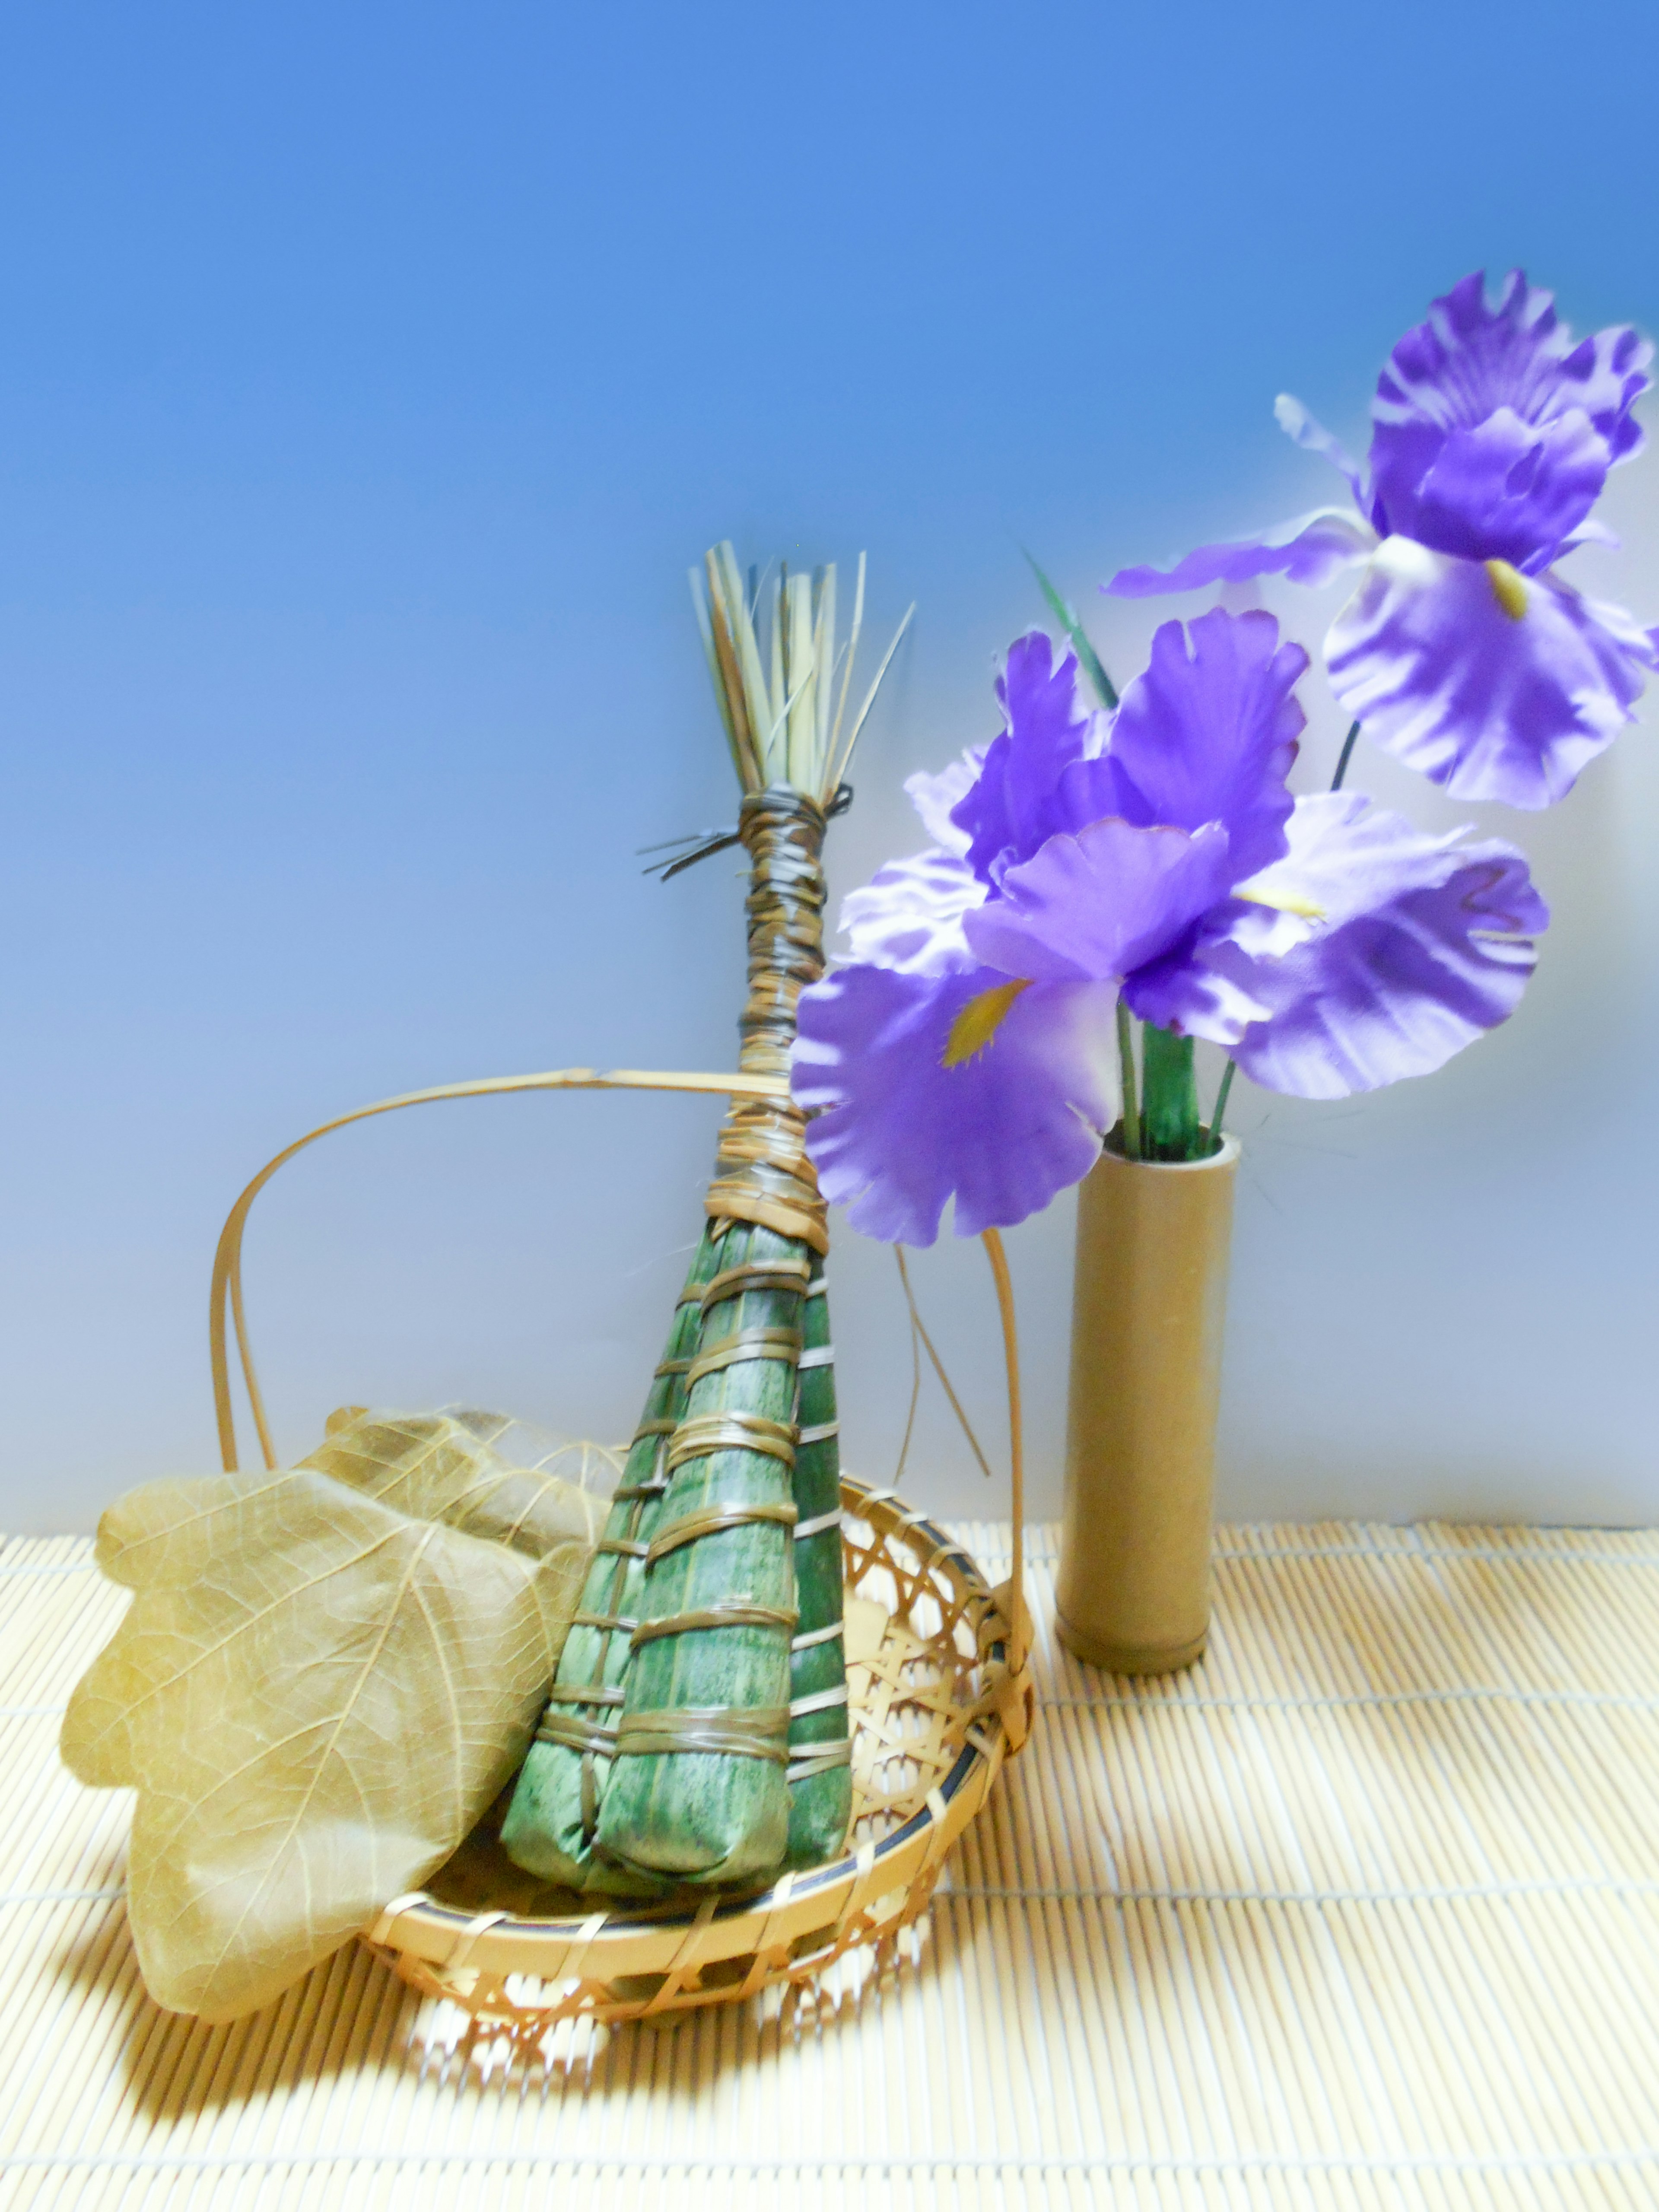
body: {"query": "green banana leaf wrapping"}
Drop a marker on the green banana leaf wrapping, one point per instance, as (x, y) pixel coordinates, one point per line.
(553, 1818)
(705, 1623)
(820, 1779)
(699, 1788)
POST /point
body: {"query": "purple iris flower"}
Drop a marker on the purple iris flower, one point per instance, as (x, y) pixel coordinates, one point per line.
(1461, 652)
(969, 1050)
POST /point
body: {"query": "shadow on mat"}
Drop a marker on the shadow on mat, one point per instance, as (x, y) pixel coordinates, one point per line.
(352, 2016)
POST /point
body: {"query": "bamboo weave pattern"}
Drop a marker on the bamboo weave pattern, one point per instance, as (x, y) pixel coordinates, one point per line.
(1361, 1913)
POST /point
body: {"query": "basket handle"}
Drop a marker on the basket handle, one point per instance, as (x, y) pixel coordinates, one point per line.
(227, 1287)
(227, 1259)
(1010, 1595)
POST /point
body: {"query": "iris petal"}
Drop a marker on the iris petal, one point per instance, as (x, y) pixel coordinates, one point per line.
(1310, 549)
(1427, 943)
(1209, 732)
(1494, 430)
(1013, 806)
(1505, 490)
(1196, 992)
(1443, 674)
(910, 915)
(1102, 903)
(1304, 430)
(895, 1135)
(933, 797)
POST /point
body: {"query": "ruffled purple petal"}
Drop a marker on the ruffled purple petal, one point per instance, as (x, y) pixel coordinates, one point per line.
(1198, 988)
(1591, 532)
(933, 797)
(1427, 656)
(1311, 550)
(1300, 427)
(1208, 733)
(896, 1134)
(1346, 857)
(1493, 430)
(1505, 491)
(1012, 806)
(1102, 903)
(909, 916)
(1424, 943)
(1397, 992)
(1470, 357)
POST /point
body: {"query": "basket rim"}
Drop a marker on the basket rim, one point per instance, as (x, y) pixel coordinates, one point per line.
(420, 1910)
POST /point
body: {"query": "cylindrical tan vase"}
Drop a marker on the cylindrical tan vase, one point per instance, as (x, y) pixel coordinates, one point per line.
(1148, 1308)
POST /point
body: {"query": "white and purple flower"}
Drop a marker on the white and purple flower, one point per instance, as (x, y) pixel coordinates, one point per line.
(1461, 652)
(970, 1051)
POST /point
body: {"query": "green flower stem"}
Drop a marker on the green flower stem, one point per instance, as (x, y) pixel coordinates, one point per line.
(1222, 1089)
(1347, 754)
(1126, 1052)
(1171, 1129)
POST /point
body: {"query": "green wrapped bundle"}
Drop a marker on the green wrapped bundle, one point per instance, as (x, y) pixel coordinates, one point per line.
(699, 1789)
(820, 1780)
(553, 1819)
(697, 1731)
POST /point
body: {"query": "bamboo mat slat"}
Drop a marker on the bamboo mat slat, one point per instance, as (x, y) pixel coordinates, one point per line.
(1361, 1912)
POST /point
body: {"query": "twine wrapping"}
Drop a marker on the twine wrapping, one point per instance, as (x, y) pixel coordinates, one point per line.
(699, 1436)
(724, 1612)
(762, 1172)
(715, 1520)
(752, 1275)
(749, 1344)
(729, 1731)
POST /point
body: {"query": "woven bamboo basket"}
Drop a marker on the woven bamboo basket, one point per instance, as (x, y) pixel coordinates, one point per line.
(940, 1696)
(936, 1709)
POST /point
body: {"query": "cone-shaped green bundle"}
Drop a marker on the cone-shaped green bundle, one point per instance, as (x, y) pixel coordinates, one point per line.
(697, 1731)
(699, 1790)
(554, 1816)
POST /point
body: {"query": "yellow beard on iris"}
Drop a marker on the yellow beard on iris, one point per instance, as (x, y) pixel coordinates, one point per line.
(1509, 588)
(978, 1022)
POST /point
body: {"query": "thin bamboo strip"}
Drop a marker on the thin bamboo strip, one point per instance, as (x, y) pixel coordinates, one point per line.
(41, 1632)
(1563, 2108)
(1061, 1930)
(820, 1802)
(72, 1842)
(1205, 1824)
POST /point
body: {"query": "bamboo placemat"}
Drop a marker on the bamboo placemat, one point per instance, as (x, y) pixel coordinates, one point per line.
(1363, 1912)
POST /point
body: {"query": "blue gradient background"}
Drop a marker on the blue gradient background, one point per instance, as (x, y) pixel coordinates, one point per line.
(371, 375)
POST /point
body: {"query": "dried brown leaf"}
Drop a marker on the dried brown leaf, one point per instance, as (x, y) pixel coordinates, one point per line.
(324, 1678)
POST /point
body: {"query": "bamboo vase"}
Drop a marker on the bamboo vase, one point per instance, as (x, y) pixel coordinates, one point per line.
(1148, 1308)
